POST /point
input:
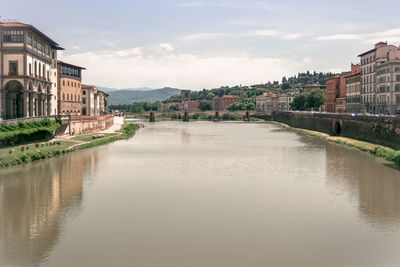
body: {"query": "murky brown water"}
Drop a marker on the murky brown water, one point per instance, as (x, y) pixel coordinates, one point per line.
(203, 194)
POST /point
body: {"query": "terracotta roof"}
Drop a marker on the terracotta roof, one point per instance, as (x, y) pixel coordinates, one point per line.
(85, 86)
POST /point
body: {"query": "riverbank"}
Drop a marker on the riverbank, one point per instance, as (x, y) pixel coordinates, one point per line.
(389, 154)
(200, 116)
(21, 154)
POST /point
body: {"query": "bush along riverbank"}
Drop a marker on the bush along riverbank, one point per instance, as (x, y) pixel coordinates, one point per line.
(376, 150)
(27, 132)
(15, 155)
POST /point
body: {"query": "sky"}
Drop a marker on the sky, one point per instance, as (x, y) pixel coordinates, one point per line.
(196, 44)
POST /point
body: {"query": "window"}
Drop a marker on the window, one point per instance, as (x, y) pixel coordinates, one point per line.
(84, 92)
(79, 98)
(397, 78)
(63, 83)
(397, 88)
(13, 68)
(63, 97)
(68, 83)
(13, 36)
(83, 100)
(397, 99)
(30, 68)
(29, 39)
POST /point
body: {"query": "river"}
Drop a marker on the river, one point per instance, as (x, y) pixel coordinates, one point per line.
(203, 194)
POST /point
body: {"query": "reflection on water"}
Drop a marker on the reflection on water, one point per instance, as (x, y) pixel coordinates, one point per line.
(34, 201)
(376, 186)
(203, 194)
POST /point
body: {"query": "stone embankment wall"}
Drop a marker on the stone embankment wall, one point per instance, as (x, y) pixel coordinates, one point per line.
(87, 124)
(383, 131)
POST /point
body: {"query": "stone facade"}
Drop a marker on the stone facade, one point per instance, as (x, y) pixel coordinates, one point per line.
(378, 130)
(269, 102)
(353, 91)
(371, 100)
(94, 101)
(27, 86)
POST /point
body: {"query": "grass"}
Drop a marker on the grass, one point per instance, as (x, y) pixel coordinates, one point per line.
(28, 153)
(88, 137)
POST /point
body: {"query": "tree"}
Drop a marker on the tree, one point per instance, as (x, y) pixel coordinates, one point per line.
(205, 105)
(236, 106)
(250, 106)
(299, 102)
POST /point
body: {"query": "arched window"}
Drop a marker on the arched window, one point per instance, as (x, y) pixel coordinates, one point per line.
(35, 68)
(40, 69)
(67, 97)
(30, 68)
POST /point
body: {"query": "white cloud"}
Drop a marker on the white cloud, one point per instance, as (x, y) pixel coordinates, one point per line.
(166, 47)
(203, 36)
(144, 66)
(339, 37)
(293, 36)
(261, 33)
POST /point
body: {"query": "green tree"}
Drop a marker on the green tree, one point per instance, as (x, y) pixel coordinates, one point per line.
(236, 106)
(205, 105)
(299, 102)
(250, 106)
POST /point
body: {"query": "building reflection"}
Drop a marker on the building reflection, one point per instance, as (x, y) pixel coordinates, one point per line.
(34, 201)
(375, 186)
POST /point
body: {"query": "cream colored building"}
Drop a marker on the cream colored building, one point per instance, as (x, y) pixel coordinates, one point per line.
(27, 78)
(371, 100)
(94, 101)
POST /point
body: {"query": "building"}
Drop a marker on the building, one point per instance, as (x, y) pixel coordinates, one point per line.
(353, 91)
(336, 90)
(69, 89)
(380, 54)
(221, 103)
(191, 106)
(27, 72)
(103, 103)
(185, 95)
(94, 101)
(388, 87)
(312, 87)
(269, 102)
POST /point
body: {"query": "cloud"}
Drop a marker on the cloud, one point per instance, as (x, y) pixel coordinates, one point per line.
(339, 37)
(166, 47)
(203, 36)
(391, 35)
(150, 66)
(261, 33)
(293, 36)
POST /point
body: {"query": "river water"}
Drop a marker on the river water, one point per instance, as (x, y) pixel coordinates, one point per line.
(203, 194)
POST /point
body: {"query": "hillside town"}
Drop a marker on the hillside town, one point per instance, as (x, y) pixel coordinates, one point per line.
(34, 83)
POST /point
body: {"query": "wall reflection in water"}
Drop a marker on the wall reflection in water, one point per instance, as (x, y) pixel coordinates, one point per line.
(35, 200)
(374, 186)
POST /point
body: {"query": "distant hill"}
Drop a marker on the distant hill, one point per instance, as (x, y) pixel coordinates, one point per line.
(107, 89)
(129, 96)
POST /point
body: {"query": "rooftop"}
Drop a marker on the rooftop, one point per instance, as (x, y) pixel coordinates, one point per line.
(28, 26)
(69, 65)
